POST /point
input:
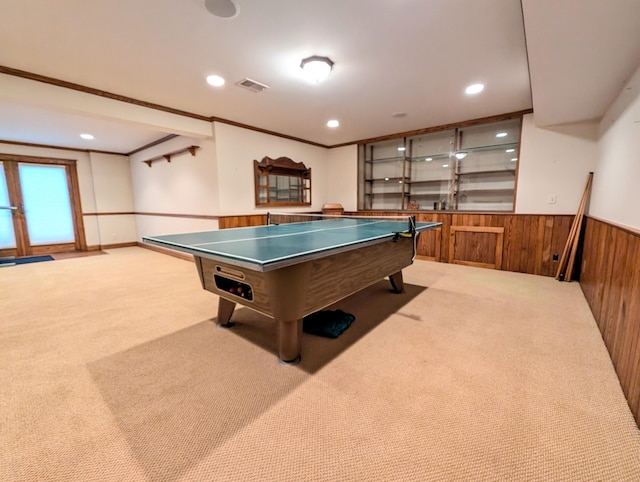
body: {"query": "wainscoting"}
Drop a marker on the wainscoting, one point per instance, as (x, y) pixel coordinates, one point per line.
(610, 280)
(225, 222)
(511, 242)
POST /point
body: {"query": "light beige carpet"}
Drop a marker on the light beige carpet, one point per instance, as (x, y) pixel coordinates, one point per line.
(113, 369)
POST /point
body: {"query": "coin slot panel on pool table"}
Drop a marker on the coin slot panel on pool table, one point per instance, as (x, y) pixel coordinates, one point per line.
(230, 272)
(234, 287)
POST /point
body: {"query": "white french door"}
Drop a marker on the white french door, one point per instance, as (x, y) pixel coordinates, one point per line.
(39, 207)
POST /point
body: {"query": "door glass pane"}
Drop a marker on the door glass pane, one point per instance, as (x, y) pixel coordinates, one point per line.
(46, 204)
(7, 236)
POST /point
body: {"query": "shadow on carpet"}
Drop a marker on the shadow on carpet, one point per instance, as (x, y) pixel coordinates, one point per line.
(369, 307)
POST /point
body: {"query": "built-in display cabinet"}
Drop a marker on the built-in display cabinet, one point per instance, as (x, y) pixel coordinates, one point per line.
(469, 168)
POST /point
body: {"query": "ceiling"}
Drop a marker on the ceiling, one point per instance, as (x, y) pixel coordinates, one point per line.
(391, 56)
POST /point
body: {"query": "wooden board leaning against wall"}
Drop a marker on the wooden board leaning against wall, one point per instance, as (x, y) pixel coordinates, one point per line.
(524, 243)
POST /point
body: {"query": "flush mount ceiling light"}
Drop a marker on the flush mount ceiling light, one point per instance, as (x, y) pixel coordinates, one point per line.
(461, 155)
(501, 134)
(474, 89)
(316, 68)
(333, 123)
(87, 136)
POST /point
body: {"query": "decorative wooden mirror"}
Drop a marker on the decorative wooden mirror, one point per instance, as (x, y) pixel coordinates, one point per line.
(282, 182)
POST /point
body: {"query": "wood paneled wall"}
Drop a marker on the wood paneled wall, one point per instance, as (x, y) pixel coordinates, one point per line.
(610, 280)
(242, 221)
(529, 240)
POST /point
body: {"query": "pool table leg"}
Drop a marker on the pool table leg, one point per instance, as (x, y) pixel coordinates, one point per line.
(396, 282)
(289, 341)
(225, 310)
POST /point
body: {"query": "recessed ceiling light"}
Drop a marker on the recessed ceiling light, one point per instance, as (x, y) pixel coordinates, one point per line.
(514, 159)
(461, 155)
(402, 148)
(501, 134)
(445, 165)
(215, 80)
(87, 136)
(510, 150)
(429, 159)
(333, 123)
(474, 89)
(386, 178)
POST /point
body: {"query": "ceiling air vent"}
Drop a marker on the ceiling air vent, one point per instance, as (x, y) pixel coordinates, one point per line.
(252, 85)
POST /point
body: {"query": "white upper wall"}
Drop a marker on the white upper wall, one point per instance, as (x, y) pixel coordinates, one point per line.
(177, 196)
(616, 195)
(342, 188)
(554, 164)
(237, 148)
(113, 194)
(113, 190)
(186, 185)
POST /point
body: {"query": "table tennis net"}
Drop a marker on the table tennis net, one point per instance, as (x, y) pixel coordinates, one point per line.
(405, 223)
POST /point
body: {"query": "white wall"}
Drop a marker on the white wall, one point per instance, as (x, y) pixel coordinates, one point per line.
(616, 184)
(554, 162)
(342, 166)
(186, 194)
(237, 148)
(186, 186)
(113, 194)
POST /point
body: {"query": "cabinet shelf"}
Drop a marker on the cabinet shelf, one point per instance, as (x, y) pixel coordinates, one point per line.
(486, 173)
(491, 147)
(433, 157)
(430, 181)
(385, 159)
(382, 194)
(485, 191)
(399, 180)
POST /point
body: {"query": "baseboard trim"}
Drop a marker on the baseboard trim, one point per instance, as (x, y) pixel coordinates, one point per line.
(118, 245)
